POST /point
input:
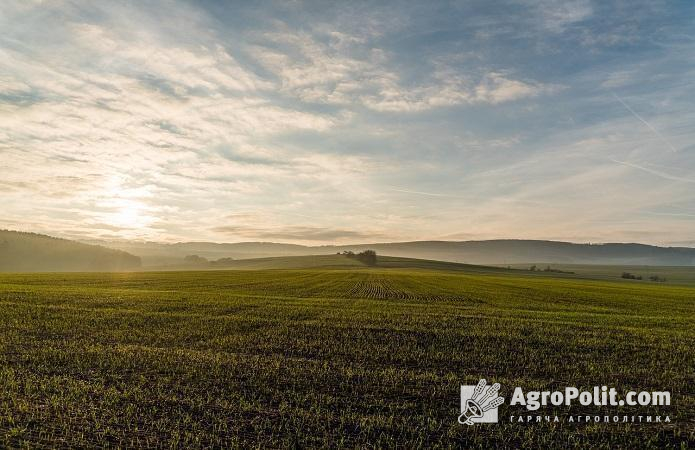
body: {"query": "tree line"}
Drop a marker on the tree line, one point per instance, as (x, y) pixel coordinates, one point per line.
(367, 257)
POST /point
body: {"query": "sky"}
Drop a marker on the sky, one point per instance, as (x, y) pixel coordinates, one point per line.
(343, 122)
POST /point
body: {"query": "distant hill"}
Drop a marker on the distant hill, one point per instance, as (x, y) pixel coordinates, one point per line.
(511, 251)
(155, 253)
(334, 261)
(274, 262)
(501, 251)
(30, 252)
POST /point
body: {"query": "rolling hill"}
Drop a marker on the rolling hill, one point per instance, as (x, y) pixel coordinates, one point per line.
(501, 251)
(30, 252)
(334, 261)
(34, 252)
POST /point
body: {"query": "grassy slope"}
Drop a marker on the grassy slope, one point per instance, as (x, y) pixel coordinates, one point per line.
(294, 262)
(338, 262)
(476, 252)
(684, 275)
(673, 275)
(317, 357)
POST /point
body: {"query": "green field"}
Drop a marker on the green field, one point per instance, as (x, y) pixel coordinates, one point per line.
(681, 275)
(339, 357)
(340, 262)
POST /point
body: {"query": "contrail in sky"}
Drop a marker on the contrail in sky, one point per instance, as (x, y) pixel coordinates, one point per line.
(670, 214)
(654, 130)
(658, 173)
(421, 193)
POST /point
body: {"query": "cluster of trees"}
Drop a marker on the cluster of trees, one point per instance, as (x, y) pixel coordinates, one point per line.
(195, 259)
(534, 268)
(367, 257)
(202, 261)
(657, 278)
(629, 276)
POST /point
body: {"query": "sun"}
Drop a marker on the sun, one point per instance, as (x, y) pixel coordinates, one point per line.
(128, 214)
(128, 217)
(126, 210)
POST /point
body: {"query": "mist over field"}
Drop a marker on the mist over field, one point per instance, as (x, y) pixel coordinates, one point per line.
(34, 252)
(473, 252)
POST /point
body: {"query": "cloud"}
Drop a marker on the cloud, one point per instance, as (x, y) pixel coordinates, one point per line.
(294, 233)
(496, 88)
(492, 88)
(318, 72)
(558, 14)
(271, 225)
(207, 68)
(618, 79)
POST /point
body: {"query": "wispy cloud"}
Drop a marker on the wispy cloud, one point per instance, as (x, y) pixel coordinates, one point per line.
(295, 233)
(558, 15)
(346, 70)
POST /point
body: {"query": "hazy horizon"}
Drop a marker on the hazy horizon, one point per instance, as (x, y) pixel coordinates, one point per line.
(136, 241)
(319, 124)
(364, 242)
(27, 252)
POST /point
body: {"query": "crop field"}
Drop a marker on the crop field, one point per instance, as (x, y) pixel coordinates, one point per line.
(350, 357)
(684, 275)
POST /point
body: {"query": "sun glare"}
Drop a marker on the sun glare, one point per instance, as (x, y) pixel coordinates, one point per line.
(128, 217)
(128, 214)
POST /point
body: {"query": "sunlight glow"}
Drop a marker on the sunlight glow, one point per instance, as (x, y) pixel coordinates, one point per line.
(128, 216)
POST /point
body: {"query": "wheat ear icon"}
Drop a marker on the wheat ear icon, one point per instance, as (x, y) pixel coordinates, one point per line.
(490, 393)
(494, 404)
(479, 388)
